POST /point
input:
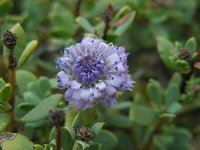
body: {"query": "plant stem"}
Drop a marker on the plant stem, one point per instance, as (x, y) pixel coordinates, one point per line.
(158, 126)
(58, 138)
(12, 81)
(78, 6)
(107, 27)
(186, 77)
(107, 17)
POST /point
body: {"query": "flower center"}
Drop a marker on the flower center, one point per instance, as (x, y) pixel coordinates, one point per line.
(89, 69)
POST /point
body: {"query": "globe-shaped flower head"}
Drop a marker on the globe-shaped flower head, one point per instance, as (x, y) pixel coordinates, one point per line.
(92, 72)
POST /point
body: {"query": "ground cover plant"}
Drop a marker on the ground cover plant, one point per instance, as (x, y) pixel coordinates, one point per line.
(99, 75)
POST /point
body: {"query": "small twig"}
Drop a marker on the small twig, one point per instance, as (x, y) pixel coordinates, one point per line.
(186, 77)
(107, 17)
(12, 80)
(57, 118)
(78, 7)
(158, 126)
(10, 40)
(105, 33)
(58, 138)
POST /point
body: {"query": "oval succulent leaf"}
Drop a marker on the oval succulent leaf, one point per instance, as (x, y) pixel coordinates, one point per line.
(30, 48)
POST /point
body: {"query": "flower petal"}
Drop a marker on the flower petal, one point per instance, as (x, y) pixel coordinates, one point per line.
(94, 94)
(112, 59)
(85, 94)
(114, 80)
(100, 85)
(64, 80)
(75, 85)
(110, 90)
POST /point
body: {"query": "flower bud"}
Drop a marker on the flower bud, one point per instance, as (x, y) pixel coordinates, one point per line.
(84, 134)
(9, 40)
(108, 14)
(184, 54)
(57, 117)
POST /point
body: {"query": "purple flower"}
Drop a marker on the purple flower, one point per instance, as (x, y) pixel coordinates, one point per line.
(93, 71)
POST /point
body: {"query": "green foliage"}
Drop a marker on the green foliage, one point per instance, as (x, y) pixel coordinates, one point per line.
(108, 140)
(162, 111)
(41, 111)
(61, 25)
(174, 55)
(19, 142)
(142, 115)
(5, 92)
(85, 24)
(21, 52)
(5, 6)
(154, 92)
(27, 52)
(67, 141)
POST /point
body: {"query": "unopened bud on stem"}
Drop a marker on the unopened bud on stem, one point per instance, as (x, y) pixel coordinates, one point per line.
(9, 40)
(57, 117)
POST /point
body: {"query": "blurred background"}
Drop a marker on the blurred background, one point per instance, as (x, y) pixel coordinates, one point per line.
(134, 24)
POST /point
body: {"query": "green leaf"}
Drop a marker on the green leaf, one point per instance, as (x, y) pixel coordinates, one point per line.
(182, 66)
(181, 138)
(46, 66)
(41, 111)
(44, 84)
(96, 128)
(191, 45)
(161, 141)
(70, 116)
(4, 107)
(5, 92)
(122, 105)
(94, 146)
(34, 88)
(2, 83)
(176, 79)
(58, 16)
(38, 147)
(117, 120)
(107, 139)
(4, 120)
(23, 78)
(19, 142)
(154, 92)
(30, 48)
(122, 28)
(25, 106)
(78, 121)
(5, 6)
(167, 116)
(166, 49)
(31, 98)
(85, 24)
(142, 115)
(172, 94)
(124, 140)
(174, 108)
(98, 8)
(123, 11)
(83, 118)
(84, 145)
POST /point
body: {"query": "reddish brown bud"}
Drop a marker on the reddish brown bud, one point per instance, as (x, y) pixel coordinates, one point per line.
(84, 134)
(9, 40)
